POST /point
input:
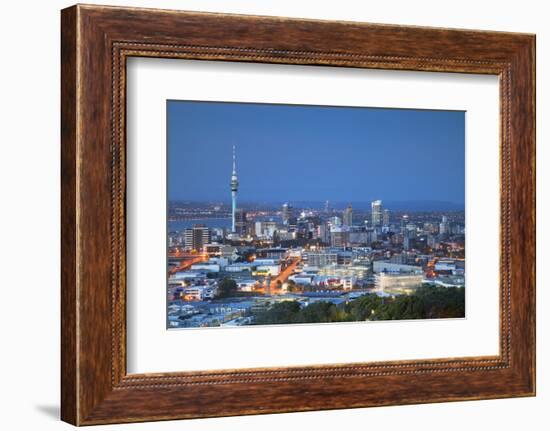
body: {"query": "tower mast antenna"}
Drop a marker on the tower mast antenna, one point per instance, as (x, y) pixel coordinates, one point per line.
(234, 188)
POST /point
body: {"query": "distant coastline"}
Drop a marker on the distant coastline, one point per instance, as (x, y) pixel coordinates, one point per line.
(417, 206)
(179, 225)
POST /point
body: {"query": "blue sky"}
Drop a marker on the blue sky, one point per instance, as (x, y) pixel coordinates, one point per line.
(314, 153)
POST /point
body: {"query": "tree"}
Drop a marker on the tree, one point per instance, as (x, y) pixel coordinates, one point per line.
(442, 302)
(362, 308)
(321, 311)
(291, 286)
(427, 302)
(226, 287)
(280, 313)
(401, 307)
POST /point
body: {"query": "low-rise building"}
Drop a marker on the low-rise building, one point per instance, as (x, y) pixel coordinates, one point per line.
(397, 283)
(321, 258)
(335, 281)
(220, 250)
(199, 293)
(302, 279)
(246, 285)
(265, 261)
(449, 281)
(449, 266)
(379, 266)
(239, 267)
(206, 266)
(348, 282)
(272, 253)
(187, 277)
(263, 270)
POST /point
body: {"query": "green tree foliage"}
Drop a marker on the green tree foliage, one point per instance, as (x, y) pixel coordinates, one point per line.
(292, 286)
(400, 308)
(227, 287)
(281, 312)
(427, 302)
(442, 301)
(318, 312)
(363, 307)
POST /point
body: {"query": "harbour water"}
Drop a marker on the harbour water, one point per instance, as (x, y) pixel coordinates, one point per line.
(179, 225)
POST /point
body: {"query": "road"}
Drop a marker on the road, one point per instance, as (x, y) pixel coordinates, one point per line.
(283, 275)
(186, 264)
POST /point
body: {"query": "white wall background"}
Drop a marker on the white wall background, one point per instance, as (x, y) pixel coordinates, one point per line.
(29, 216)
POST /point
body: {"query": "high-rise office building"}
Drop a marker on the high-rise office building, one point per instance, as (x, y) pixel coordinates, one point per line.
(335, 221)
(347, 217)
(286, 213)
(324, 233)
(386, 218)
(444, 226)
(406, 243)
(234, 188)
(339, 237)
(196, 237)
(322, 258)
(240, 222)
(376, 213)
(404, 223)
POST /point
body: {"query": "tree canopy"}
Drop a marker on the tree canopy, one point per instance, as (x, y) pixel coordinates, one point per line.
(428, 302)
(226, 287)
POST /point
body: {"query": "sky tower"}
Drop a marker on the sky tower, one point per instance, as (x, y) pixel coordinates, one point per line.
(234, 187)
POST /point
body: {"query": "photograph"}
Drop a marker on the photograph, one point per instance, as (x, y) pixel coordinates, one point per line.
(282, 214)
(305, 214)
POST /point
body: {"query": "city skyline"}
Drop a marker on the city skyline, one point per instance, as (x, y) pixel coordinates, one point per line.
(351, 255)
(292, 173)
(359, 204)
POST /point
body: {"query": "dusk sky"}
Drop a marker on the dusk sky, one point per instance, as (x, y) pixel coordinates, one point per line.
(313, 153)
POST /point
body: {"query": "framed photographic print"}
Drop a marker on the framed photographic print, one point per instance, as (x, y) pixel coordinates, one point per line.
(268, 215)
